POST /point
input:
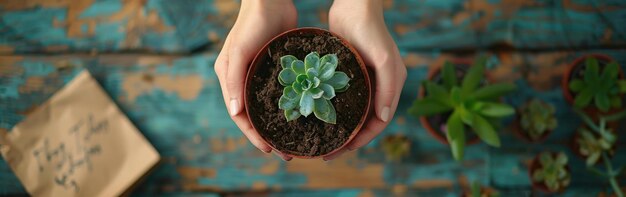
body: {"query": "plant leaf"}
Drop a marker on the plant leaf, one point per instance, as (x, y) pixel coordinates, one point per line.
(591, 69)
(298, 67)
(297, 87)
(497, 110)
(466, 116)
(456, 135)
(583, 98)
(576, 85)
(428, 107)
(325, 111)
(602, 102)
(611, 71)
(306, 104)
(312, 60)
(327, 71)
(455, 96)
(329, 58)
(311, 72)
(285, 61)
(316, 93)
(449, 75)
(287, 76)
(339, 80)
(286, 103)
(616, 102)
(437, 92)
(289, 92)
(291, 115)
(492, 91)
(485, 131)
(329, 91)
(473, 76)
(345, 88)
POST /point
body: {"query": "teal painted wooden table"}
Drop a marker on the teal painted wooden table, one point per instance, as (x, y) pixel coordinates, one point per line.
(155, 59)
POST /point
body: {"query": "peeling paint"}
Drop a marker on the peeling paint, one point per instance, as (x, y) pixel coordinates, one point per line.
(187, 87)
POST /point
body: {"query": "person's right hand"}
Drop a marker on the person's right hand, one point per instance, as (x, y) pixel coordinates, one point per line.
(257, 23)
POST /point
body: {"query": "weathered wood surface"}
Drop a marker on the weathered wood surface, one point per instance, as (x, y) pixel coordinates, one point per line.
(175, 26)
(177, 104)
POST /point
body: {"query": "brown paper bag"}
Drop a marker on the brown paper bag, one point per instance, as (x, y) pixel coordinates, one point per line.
(78, 143)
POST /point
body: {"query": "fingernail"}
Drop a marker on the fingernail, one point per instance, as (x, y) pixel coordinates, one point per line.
(234, 107)
(384, 114)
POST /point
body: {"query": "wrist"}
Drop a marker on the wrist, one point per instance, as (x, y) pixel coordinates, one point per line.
(360, 7)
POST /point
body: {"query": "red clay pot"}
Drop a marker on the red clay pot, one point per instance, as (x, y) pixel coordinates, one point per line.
(429, 127)
(312, 31)
(569, 97)
(576, 147)
(535, 164)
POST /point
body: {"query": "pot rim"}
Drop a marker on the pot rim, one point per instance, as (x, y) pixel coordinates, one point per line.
(359, 59)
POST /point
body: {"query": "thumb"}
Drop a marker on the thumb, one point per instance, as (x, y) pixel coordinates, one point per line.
(235, 78)
(385, 90)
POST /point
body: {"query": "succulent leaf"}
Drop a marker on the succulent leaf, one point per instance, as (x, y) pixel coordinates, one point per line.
(287, 60)
(598, 86)
(312, 61)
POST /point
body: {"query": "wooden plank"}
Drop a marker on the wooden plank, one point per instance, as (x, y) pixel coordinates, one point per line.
(177, 104)
(44, 26)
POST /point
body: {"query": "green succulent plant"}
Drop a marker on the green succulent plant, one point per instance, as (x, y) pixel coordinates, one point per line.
(592, 147)
(601, 146)
(471, 103)
(310, 85)
(603, 89)
(396, 147)
(537, 117)
(552, 171)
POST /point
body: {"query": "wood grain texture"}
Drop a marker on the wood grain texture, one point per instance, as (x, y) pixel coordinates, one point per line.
(177, 104)
(172, 26)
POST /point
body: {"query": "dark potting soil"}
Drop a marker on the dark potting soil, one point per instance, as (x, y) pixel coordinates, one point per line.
(306, 136)
(439, 120)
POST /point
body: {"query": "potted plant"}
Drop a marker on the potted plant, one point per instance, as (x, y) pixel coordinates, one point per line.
(535, 120)
(456, 100)
(549, 172)
(595, 84)
(597, 143)
(307, 93)
(396, 147)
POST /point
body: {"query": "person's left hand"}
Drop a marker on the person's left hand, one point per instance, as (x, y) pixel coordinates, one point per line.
(361, 22)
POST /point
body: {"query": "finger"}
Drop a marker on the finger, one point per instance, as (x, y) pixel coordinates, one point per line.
(334, 155)
(385, 89)
(238, 60)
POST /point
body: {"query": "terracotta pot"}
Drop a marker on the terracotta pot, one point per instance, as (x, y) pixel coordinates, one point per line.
(593, 111)
(424, 120)
(576, 147)
(311, 31)
(535, 164)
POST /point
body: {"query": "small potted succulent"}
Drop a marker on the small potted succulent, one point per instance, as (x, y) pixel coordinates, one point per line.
(307, 93)
(594, 83)
(549, 172)
(458, 98)
(396, 147)
(597, 143)
(535, 120)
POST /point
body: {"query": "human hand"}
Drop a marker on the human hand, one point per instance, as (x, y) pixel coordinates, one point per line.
(257, 23)
(361, 22)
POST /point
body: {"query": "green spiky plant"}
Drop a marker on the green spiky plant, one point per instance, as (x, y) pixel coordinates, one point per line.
(592, 147)
(552, 171)
(310, 85)
(603, 89)
(601, 129)
(471, 103)
(537, 118)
